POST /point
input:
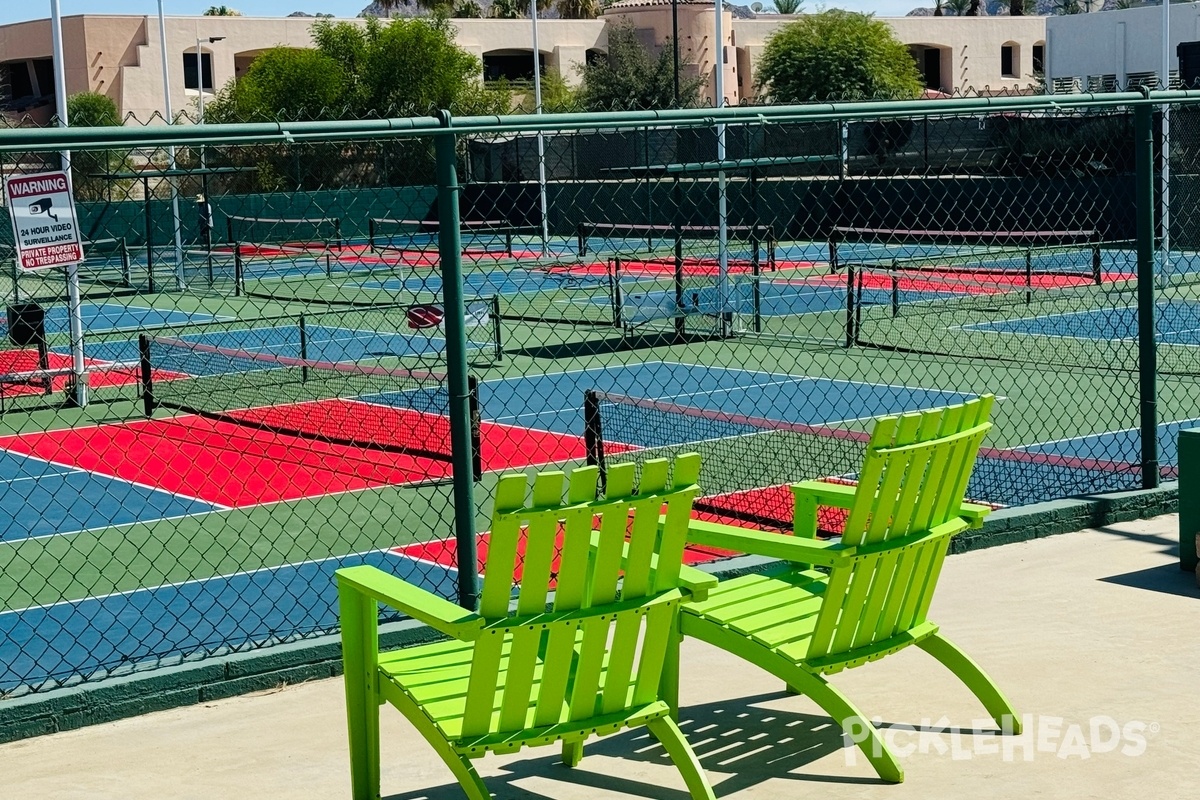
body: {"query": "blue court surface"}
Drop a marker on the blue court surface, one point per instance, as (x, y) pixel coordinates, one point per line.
(101, 317)
(776, 298)
(324, 343)
(96, 501)
(175, 620)
(1177, 322)
(48, 642)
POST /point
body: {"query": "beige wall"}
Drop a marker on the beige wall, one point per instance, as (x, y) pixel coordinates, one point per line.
(120, 56)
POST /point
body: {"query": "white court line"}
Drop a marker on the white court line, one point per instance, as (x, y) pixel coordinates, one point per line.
(1083, 436)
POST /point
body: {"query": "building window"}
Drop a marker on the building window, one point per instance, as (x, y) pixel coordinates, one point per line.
(1008, 61)
(1039, 59)
(514, 66)
(192, 76)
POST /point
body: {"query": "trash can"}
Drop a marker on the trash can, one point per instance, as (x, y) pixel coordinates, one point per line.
(26, 324)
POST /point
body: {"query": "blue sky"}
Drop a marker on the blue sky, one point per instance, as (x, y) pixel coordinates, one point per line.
(16, 10)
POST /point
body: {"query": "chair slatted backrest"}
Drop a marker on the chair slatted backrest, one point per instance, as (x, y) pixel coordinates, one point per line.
(913, 479)
(613, 566)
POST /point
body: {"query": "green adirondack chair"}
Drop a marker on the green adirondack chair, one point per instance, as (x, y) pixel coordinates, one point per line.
(872, 596)
(521, 674)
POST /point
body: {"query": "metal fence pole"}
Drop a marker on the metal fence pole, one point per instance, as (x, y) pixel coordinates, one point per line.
(1143, 137)
(450, 255)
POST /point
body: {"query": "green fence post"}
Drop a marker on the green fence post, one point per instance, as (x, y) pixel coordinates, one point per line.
(1144, 194)
(461, 426)
(1189, 498)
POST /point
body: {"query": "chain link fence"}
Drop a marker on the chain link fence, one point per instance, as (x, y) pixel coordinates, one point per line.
(301, 353)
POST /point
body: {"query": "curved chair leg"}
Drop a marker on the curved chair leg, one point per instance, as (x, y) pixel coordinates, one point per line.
(978, 681)
(572, 753)
(464, 772)
(852, 721)
(667, 732)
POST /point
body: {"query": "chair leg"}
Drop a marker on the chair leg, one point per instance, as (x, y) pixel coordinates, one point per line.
(978, 681)
(572, 753)
(681, 754)
(464, 771)
(669, 682)
(852, 721)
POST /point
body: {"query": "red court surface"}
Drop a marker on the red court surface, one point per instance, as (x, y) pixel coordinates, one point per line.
(443, 553)
(238, 465)
(17, 362)
(965, 281)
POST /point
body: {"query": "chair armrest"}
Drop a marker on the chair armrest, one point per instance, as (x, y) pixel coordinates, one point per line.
(840, 495)
(772, 545)
(696, 582)
(421, 605)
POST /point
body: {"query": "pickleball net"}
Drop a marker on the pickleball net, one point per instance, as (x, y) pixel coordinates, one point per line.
(357, 405)
(496, 235)
(749, 461)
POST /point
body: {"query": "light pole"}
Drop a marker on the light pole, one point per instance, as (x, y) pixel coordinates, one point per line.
(1165, 195)
(162, 42)
(675, 46)
(79, 376)
(541, 141)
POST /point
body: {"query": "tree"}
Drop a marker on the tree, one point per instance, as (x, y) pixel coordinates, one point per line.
(468, 9)
(94, 110)
(579, 9)
(974, 7)
(284, 83)
(788, 6)
(557, 96)
(222, 11)
(631, 78)
(836, 55)
(508, 9)
(958, 7)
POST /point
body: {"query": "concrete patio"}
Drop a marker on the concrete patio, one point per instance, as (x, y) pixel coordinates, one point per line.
(1094, 635)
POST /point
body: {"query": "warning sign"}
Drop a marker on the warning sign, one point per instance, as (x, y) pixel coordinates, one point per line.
(43, 216)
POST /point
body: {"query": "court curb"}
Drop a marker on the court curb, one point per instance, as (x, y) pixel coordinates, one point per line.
(224, 676)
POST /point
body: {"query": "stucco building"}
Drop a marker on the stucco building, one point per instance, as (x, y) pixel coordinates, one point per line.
(1116, 49)
(120, 56)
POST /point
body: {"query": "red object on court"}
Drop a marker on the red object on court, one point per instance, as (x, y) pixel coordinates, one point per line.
(426, 316)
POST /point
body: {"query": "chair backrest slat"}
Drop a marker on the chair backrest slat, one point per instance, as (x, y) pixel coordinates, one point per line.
(913, 479)
(602, 645)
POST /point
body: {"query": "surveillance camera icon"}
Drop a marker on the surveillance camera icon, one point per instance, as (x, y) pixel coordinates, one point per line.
(43, 206)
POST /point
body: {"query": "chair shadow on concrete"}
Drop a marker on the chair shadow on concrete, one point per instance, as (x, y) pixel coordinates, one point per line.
(740, 744)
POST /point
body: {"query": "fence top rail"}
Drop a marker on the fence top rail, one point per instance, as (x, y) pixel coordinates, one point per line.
(47, 139)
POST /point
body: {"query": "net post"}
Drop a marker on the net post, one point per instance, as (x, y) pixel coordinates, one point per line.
(895, 289)
(149, 220)
(337, 233)
(581, 237)
(850, 335)
(833, 251)
(1097, 274)
(618, 299)
(462, 427)
(1028, 276)
(328, 266)
(476, 428)
(756, 274)
(508, 242)
(496, 333)
(371, 234)
(858, 305)
(126, 280)
(146, 374)
(593, 433)
(303, 348)
(238, 284)
(229, 238)
(1144, 194)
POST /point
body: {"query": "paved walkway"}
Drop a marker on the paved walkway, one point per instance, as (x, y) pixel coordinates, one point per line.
(1096, 635)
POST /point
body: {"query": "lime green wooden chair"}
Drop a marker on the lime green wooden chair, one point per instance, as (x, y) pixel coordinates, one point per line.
(522, 673)
(871, 597)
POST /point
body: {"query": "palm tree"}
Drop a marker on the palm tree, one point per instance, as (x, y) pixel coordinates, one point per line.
(387, 6)
(578, 9)
(974, 8)
(788, 6)
(1016, 8)
(222, 11)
